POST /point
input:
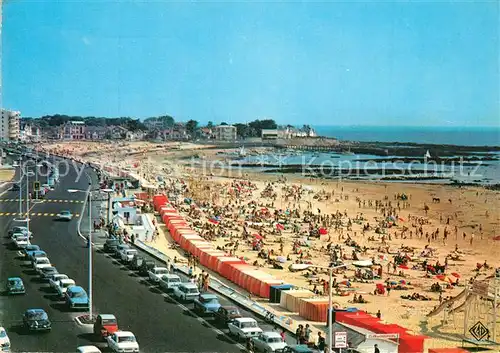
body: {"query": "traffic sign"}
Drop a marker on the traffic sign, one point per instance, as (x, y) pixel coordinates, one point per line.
(340, 339)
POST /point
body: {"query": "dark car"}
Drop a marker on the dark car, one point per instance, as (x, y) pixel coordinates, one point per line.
(136, 262)
(146, 266)
(227, 313)
(111, 245)
(299, 348)
(15, 285)
(36, 320)
(14, 187)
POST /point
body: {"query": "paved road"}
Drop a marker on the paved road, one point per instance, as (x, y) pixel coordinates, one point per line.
(159, 325)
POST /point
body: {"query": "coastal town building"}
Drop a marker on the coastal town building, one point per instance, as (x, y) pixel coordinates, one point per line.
(72, 130)
(118, 132)
(135, 135)
(95, 133)
(225, 132)
(269, 134)
(30, 133)
(9, 125)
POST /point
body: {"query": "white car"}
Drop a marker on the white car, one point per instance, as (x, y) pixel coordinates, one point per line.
(122, 341)
(41, 262)
(63, 286)
(186, 292)
(121, 248)
(54, 280)
(244, 327)
(169, 282)
(268, 342)
(156, 272)
(20, 229)
(4, 341)
(88, 349)
(127, 255)
(22, 241)
(64, 216)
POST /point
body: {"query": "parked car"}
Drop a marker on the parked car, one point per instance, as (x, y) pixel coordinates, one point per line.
(88, 349)
(244, 327)
(76, 298)
(268, 341)
(120, 248)
(227, 313)
(40, 262)
(105, 325)
(299, 348)
(110, 245)
(4, 340)
(136, 262)
(122, 341)
(46, 272)
(27, 251)
(15, 187)
(146, 266)
(156, 272)
(168, 281)
(55, 278)
(36, 320)
(63, 286)
(19, 229)
(21, 241)
(37, 253)
(207, 303)
(64, 216)
(127, 255)
(15, 285)
(186, 291)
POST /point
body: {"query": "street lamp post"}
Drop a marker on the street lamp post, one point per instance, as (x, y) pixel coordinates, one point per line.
(89, 239)
(28, 174)
(20, 187)
(330, 302)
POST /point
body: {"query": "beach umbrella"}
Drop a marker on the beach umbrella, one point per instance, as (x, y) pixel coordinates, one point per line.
(404, 267)
(497, 237)
(280, 226)
(456, 275)
(213, 220)
(257, 236)
(323, 231)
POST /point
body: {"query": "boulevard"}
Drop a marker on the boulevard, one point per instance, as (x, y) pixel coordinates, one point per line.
(158, 322)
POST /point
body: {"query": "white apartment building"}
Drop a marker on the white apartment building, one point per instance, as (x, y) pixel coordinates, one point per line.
(225, 132)
(72, 130)
(9, 125)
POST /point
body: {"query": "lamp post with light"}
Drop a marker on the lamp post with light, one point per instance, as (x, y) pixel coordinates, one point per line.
(89, 238)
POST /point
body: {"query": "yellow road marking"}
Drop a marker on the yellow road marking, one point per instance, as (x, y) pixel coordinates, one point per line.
(39, 214)
(45, 214)
(52, 214)
(77, 215)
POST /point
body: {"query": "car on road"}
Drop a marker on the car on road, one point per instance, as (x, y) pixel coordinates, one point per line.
(227, 313)
(244, 327)
(146, 266)
(64, 216)
(122, 341)
(110, 245)
(156, 272)
(14, 187)
(168, 281)
(136, 262)
(40, 262)
(206, 303)
(127, 255)
(119, 249)
(55, 278)
(21, 241)
(19, 229)
(4, 340)
(105, 325)
(76, 298)
(36, 320)
(27, 251)
(186, 292)
(63, 286)
(299, 348)
(88, 349)
(46, 272)
(15, 285)
(36, 253)
(268, 342)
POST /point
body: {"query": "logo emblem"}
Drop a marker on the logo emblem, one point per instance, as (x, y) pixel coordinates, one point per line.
(479, 331)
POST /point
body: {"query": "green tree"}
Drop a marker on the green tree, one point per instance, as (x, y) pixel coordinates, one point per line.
(223, 123)
(210, 125)
(242, 130)
(191, 127)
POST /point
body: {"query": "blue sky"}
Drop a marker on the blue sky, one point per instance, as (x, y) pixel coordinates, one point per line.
(361, 63)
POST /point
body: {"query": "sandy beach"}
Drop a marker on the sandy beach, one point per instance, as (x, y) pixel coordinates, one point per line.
(274, 221)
